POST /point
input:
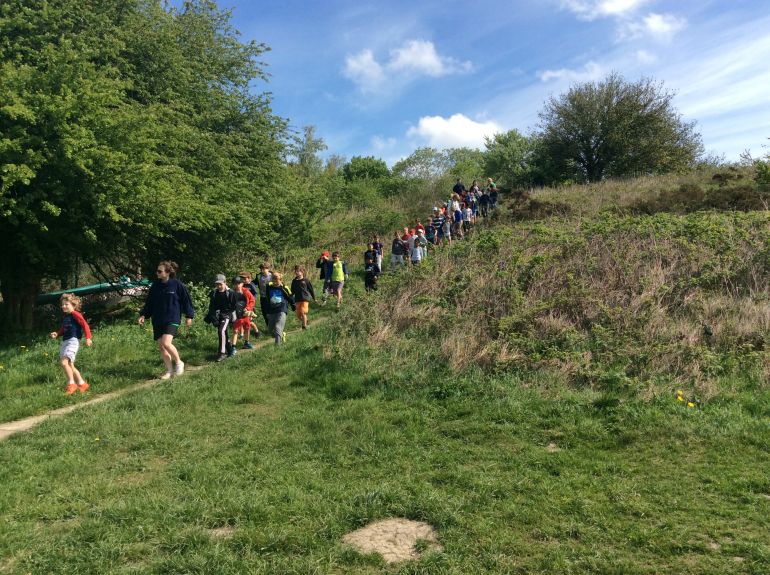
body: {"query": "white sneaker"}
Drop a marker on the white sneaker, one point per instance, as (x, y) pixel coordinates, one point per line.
(166, 375)
(179, 368)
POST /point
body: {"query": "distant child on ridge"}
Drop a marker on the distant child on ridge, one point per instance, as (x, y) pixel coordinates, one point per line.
(303, 293)
(73, 327)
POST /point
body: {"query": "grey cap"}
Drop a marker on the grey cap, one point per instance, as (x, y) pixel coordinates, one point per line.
(220, 279)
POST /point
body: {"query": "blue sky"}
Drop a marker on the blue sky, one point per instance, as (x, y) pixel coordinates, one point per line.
(384, 78)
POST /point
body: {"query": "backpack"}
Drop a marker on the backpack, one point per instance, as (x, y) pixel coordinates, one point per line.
(275, 295)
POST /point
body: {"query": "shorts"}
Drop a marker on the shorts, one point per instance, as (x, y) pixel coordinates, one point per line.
(242, 323)
(159, 331)
(69, 349)
(336, 287)
(301, 308)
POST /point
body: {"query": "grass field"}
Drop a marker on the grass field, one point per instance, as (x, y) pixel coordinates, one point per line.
(263, 463)
(532, 418)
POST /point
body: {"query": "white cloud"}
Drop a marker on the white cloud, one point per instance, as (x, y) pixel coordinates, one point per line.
(660, 27)
(593, 9)
(381, 144)
(457, 131)
(364, 70)
(412, 59)
(590, 72)
(645, 57)
(421, 56)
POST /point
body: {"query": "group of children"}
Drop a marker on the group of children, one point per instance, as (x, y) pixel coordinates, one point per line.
(233, 308)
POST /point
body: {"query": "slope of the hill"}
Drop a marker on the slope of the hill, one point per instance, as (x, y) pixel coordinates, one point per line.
(635, 287)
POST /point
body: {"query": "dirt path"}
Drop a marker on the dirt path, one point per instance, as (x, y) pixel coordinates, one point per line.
(10, 428)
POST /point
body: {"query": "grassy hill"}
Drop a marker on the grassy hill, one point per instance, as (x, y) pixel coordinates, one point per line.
(518, 392)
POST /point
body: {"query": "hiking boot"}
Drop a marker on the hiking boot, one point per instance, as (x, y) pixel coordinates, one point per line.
(70, 389)
(83, 387)
(232, 352)
(179, 368)
(248, 345)
(221, 357)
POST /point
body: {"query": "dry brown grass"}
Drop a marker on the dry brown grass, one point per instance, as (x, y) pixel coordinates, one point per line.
(681, 299)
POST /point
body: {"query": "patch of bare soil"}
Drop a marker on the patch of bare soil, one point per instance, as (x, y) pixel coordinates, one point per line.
(222, 532)
(395, 539)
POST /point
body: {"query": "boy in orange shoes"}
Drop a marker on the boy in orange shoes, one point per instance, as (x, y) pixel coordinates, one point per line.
(73, 327)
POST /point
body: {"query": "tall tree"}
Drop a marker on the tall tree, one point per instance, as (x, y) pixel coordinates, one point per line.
(305, 151)
(507, 158)
(616, 128)
(127, 132)
(423, 163)
(365, 168)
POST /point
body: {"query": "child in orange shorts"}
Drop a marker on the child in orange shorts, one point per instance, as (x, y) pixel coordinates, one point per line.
(303, 293)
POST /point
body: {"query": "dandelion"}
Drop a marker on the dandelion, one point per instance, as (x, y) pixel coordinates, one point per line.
(679, 392)
(679, 398)
(690, 404)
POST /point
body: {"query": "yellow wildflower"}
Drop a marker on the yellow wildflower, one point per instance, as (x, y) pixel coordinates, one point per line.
(690, 404)
(679, 398)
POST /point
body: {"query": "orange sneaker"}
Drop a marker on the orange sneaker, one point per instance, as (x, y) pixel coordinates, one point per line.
(83, 387)
(71, 388)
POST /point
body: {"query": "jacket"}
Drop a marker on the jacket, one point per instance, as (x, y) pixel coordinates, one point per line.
(166, 302)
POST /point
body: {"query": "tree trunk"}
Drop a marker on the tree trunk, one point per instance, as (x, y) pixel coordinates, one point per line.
(19, 294)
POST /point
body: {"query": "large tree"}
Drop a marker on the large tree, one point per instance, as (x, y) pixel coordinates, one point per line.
(616, 128)
(507, 158)
(127, 132)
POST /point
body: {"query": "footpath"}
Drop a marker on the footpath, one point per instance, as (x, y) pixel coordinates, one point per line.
(10, 428)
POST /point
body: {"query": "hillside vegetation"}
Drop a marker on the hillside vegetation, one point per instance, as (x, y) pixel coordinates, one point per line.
(638, 286)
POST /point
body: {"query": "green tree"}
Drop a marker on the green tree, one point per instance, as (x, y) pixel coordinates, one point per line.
(616, 128)
(365, 168)
(305, 150)
(127, 132)
(467, 163)
(507, 158)
(424, 163)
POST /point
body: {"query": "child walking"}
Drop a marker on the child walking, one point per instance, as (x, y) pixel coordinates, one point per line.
(73, 327)
(339, 275)
(221, 314)
(303, 293)
(248, 283)
(244, 304)
(371, 274)
(279, 299)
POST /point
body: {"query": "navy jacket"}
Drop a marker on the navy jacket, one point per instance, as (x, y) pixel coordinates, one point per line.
(166, 302)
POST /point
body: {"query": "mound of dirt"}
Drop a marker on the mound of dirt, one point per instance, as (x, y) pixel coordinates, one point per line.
(395, 539)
